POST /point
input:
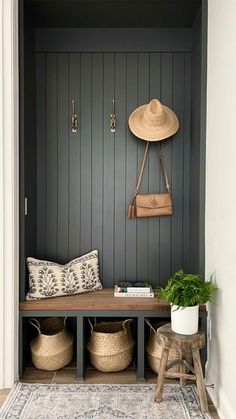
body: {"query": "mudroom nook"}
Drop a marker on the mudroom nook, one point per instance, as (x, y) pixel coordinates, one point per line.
(85, 66)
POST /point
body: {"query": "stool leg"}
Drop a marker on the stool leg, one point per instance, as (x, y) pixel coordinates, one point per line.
(161, 375)
(200, 382)
(182, 370)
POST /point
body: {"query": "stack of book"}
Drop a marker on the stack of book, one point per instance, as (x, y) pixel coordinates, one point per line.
(133, 289)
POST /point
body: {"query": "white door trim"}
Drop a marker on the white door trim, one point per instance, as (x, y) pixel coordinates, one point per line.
(9, 192)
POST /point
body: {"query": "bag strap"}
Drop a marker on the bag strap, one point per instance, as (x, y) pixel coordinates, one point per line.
(141, 170)
(164, 170)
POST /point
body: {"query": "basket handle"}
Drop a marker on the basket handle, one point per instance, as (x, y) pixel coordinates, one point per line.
(91, 325)
(150, 325)
(36, 324)
(124, 324)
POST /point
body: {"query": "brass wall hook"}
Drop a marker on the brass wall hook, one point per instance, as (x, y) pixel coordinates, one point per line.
(74, 118)
(113, 117)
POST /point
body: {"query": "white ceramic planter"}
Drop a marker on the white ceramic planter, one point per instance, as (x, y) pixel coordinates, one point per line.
(184, 320)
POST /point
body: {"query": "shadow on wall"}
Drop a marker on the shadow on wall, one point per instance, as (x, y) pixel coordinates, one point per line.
(214, 347)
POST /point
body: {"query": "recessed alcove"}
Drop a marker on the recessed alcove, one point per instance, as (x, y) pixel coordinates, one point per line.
(75, 187)
(78, 185)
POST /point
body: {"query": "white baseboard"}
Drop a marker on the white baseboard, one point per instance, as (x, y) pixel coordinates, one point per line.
(222, 404)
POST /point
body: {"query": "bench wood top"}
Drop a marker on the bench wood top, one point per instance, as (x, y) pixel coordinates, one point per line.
(103, 300)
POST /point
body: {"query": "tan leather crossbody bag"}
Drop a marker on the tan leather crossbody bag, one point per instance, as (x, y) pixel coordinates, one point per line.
(151, 205)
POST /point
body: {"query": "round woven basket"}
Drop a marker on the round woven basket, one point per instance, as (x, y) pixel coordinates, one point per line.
(111, 345)
(52, 348)
(154, 351)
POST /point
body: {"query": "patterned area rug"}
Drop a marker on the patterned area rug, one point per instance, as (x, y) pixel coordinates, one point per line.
(100, 401)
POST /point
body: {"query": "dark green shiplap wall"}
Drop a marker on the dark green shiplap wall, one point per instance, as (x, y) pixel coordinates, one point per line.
(85, 180)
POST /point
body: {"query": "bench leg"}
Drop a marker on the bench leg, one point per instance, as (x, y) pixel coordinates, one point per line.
(199, 381)
(161, 375)
(80, 349)
(140, 350)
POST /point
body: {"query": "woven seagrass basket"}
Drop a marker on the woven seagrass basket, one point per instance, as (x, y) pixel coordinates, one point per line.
(52, 348)
(154, 351)
(111, 345)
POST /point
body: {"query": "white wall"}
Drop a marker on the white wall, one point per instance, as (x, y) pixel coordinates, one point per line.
(8, 192)
(221, 200)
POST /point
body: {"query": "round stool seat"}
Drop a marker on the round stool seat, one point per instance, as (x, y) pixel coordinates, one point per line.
(169, 339)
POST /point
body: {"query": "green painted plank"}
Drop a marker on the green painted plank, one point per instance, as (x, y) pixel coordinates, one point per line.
(97, 153)
(186, 163)
(154, 177)
(143, 223)
(63, 166)
(131, 166)
(51, 156)
(41, 155)
(177, 163)
(166, 221)
(108, 173)
(74, 150)
(86, 133)
(120, 167)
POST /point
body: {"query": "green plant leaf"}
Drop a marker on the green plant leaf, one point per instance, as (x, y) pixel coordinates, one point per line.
(187, 290)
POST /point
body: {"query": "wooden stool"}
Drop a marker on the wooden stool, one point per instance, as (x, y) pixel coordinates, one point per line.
(167, 339)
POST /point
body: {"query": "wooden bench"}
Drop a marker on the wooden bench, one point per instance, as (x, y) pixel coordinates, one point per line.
(101, 304)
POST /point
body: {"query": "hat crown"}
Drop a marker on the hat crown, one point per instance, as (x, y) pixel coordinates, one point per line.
(154, 114)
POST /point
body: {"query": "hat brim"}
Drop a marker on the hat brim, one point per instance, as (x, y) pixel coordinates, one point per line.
(157, 133)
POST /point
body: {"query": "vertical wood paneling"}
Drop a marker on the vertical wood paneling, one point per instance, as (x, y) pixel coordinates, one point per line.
(154, 177)
(177, 163)
(165, 222)
(131, 165)
(97, 153)
(86, 179)
(41, 155)
(108, 173)
(74, 146)
(86, 155)
(186, 164)
(63, 131)
(120, 169)
(142, 225)
(51, 155)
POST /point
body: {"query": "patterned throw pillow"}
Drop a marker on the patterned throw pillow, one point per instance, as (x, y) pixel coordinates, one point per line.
(49, 279)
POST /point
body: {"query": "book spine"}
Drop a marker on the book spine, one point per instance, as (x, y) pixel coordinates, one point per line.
(138, 294)
(139, 289)
(134, 289)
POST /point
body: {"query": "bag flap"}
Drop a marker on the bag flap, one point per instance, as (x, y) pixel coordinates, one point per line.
(153, 201)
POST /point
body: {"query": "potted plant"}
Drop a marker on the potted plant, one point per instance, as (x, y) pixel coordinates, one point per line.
(185, 292)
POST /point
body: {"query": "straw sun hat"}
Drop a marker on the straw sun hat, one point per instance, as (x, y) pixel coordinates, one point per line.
(153, 121)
